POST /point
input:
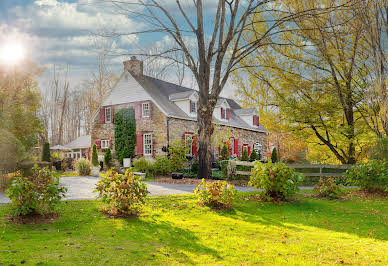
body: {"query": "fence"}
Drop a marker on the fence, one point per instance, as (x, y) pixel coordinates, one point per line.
(316, 170)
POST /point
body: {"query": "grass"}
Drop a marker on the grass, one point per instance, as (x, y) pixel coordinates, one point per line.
(174, 230)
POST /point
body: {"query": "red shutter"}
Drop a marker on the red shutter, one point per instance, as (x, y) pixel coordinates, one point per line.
(257, 121)
(112, 114)
(102, 115)
(139, 144)
(137, 111)
(195, 145)
(230, 147)
(236, 146)
(254, 120)
(227, 114)
(98, 144)
(191, 106)
(222, 113)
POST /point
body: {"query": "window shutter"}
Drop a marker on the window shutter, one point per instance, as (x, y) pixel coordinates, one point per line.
(254, 120)
(195, 145)
(236, 146)
(102, 115)
(98, 144)
(139, 144)
(150, 108)
(257, 121)
(137, 111)
(112, 114)
(227, 114)
(191, 107)
(229, 147)
(222, 113)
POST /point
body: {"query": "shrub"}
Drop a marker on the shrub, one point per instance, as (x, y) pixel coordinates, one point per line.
(371, 176)
(95, 156)
(278, 180)
(328, 189)
(161, 166)
(108, 158)
(141, 165)
(253, 157)
(218, 194)
(379, 150)
(124, 154)
(125, 193)
(46, 157)
(194, 166)
(224, 153)
(274, 156)
(244, 156)
(125, 133)
(35, 194)
(56, 157)
(11, 151)
(177, 152)
(83, 167)
(224, 168)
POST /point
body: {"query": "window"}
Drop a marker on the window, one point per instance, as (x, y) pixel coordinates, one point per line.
(147, 144)
(146, 109)
(104, 144)
(108, 115)
(189, 143)
(232, 146)
(193, 107)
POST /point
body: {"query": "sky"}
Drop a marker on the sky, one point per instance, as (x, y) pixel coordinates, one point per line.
(65, 33)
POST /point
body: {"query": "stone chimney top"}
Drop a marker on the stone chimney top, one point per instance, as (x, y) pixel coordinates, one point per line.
(134, 66)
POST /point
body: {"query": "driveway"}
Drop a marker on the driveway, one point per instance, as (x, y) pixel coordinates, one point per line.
(81, 187)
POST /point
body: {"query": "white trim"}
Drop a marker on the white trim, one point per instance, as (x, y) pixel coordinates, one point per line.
(105, 146)
(144, 144)
(110, 115)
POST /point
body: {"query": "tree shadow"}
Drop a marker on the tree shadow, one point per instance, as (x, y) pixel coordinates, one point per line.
(339, 216)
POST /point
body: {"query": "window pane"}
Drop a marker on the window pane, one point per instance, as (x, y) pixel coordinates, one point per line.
(146, 109)
(147, 141)
(107, 115)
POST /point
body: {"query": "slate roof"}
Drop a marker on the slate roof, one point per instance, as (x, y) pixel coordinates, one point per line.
(163, 92)
(82, 142)
(246, 111)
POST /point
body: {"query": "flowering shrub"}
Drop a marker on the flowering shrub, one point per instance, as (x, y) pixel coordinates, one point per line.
(218, 194)
(125, 193)
(37, 193)
(326, 188)
(83, 167)
(371, 176)
(278, 180)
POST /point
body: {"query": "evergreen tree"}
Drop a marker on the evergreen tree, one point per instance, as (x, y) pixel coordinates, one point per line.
(46, 156)
(108, 158)
(124, 154)
(274, 156)
(253, 157)
(125, 133)
(224, 153)
(244, 156)
(94, 156)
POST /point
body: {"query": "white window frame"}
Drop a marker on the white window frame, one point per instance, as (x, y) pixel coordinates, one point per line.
(232, 146)
(143, 109)
(104, 144)
(110, 115)
(189, 140)
(147, 147)
(193, 107)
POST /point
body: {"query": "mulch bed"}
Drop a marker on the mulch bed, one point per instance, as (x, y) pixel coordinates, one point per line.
(34, 218)
(196, 181)
(368, 195)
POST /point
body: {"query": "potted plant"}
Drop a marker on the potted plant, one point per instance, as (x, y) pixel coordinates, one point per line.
(95, 169)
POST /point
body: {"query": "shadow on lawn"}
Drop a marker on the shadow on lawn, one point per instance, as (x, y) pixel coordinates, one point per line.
(341, 216)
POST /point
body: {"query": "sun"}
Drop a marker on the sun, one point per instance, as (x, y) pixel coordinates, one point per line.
(11, 53)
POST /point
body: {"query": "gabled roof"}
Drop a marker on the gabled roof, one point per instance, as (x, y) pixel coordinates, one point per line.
(163, 93)
(246, 111)
(82, 142)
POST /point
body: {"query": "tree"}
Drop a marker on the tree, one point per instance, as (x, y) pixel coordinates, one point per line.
(11, 151)
(318, 81)
(19, 102)
(211, 53)
(244, 156)
(274, 156)
(125, 132)
(253, 156)
(94, 156)
(46, 157)
(108, 158)
(224, 152)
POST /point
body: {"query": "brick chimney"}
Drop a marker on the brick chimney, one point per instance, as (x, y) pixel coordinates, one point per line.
(134, 66)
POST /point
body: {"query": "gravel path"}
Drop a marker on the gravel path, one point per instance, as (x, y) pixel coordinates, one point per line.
(81, 187)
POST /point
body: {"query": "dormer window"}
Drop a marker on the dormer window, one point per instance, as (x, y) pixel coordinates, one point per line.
(145, 110)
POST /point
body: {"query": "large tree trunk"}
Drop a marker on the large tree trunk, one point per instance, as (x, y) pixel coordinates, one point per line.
(205, 132)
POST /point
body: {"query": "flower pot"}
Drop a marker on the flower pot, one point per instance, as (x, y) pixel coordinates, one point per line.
(177, 175)
(95, 171)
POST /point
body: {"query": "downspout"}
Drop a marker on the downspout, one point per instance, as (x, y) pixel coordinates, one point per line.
(168, 132)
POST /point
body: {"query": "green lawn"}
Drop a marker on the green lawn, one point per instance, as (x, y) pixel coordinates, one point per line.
(175, 230)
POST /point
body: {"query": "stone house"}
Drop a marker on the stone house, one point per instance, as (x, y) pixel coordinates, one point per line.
(166, 112)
